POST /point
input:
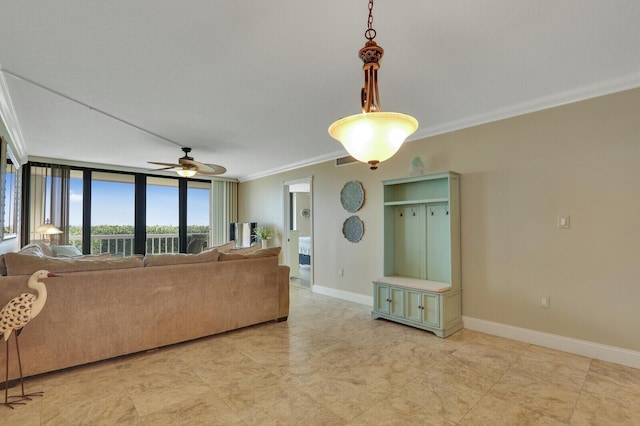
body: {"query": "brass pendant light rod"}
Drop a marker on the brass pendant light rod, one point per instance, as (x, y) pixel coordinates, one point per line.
(370, 54)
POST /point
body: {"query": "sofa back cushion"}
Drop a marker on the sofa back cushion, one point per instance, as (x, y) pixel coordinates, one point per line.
(180, 258)
(268, 252)
(245, 250)
(222, 248)
(25, 264)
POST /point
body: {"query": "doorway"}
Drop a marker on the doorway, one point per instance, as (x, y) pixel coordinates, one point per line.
(298, 226)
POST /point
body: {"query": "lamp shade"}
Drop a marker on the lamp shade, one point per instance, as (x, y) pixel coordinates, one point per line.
(48, 229)
(372, 137)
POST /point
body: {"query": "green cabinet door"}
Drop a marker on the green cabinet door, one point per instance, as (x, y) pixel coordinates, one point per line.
(381, 298)
(423, 308)
(396, 303)
(430, 308)
(413, 303)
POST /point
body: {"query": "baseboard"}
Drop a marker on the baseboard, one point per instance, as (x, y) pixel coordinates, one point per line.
(345, 295)
(553, 341)
(566, 344)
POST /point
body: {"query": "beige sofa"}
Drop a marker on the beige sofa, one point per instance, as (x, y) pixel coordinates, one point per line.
(135, 306)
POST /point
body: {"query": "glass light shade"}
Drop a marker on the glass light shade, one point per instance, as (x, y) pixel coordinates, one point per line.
(186, 172)
(373, 137)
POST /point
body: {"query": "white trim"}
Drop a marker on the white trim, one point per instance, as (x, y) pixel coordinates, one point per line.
(566, 344)
(607, 87)
(603, 88)
(344, 295)
(286, 207)
(114, 167)
(10, 119)
(553, 341)
(294, 166)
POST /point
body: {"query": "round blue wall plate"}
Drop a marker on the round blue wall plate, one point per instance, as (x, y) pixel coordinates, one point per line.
(353, 229)
(352, 196)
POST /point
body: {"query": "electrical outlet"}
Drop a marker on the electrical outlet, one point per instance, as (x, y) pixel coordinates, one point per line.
(545, 302)
(341, 272)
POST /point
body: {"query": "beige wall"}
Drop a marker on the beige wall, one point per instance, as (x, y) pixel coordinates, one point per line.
(518, 175)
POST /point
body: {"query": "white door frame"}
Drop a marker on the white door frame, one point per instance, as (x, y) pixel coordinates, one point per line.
(287, 216)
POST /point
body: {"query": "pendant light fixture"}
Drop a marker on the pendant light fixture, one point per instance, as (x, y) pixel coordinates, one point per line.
(372, 136)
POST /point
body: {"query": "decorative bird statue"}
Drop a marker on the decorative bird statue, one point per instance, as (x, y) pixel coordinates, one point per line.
(13, 317)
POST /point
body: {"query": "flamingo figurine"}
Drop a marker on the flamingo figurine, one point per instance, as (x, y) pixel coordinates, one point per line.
(13, 317)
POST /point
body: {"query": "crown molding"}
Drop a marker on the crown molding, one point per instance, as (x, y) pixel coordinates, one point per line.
(10, 120)
(308, 162)
(602, 88)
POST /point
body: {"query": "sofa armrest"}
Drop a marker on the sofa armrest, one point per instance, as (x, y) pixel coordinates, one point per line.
(283, 291)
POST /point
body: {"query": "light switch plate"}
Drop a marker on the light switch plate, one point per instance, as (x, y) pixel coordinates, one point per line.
(563, 221)
(545, 302)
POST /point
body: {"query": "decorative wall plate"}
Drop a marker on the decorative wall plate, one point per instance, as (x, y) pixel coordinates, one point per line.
(352, 196)
(353, 229)
(306, 213)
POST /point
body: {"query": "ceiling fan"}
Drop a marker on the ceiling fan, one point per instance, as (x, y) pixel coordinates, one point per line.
(188, 167)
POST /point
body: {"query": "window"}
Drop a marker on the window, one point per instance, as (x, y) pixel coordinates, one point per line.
(11, 184)
(198, 206)
(120, 213)
(112, 213)
(75, 208)
(162, 215)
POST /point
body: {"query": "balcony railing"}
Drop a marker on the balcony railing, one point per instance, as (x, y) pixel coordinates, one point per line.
(123, 243)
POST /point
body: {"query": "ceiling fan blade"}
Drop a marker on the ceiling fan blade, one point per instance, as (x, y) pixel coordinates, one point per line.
(165, 168)
(164, 164)
(216, 170)
(188, 163)
(201, 167)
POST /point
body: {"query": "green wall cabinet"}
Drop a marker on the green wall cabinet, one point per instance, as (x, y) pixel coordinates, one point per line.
(421, 285)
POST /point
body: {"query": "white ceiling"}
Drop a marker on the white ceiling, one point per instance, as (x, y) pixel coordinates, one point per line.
(253, 85)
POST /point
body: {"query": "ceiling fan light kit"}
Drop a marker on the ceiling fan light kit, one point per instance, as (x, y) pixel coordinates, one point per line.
(188, 167)
(372, 136)
(186, 172)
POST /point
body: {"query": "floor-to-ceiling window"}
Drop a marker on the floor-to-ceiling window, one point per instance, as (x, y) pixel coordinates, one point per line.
(198, 217)
(112, 213)
(162, 215)
(10, 205)
(75, 208)
(117, 212)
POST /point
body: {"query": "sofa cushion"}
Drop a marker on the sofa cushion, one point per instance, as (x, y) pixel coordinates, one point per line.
(24, 264)
(268, 252)
(230, 256)
(38, 248)
(65, 251)
(245, 250)
(180, 258)
(222, 248)
(34, 250)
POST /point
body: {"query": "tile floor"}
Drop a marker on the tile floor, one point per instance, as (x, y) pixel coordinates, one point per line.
(331, 364)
